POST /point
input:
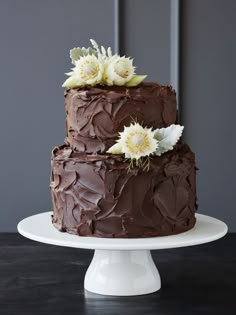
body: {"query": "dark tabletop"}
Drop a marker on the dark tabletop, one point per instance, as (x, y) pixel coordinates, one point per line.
(40, 279)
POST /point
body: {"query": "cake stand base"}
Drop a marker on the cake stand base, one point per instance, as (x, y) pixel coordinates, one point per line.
(121, 267)
(120, 272)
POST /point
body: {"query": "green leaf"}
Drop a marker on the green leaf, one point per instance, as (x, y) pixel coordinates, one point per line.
(136, 80)
(167, 138)
(95, 45)
(72, 82)
(77, 53)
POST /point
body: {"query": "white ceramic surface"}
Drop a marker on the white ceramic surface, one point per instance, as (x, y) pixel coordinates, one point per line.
(121, 267)
(39, 228)
(122, 273)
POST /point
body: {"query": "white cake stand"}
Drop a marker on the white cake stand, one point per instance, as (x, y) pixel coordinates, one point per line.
(121, 267)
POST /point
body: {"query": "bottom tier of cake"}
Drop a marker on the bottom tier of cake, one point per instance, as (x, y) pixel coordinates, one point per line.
(95, 195)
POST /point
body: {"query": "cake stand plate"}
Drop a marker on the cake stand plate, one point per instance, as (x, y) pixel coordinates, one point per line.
(121, 267)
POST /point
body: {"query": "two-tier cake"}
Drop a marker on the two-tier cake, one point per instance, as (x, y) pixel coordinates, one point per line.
(122, 172)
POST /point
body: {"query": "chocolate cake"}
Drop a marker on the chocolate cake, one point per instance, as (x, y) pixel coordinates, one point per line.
(103, 194)
(94, 195)
(94, 116)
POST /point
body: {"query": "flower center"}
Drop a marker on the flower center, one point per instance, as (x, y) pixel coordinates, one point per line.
(122, 68)
(138, 140)
(89, 70)
(138, 143)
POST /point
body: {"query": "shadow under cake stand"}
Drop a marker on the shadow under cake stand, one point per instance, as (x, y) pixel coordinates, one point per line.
(121, 267)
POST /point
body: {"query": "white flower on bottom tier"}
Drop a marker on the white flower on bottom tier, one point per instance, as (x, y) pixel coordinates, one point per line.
(135, 142)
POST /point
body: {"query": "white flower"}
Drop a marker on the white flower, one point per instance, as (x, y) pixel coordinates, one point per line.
(135, 142)
(88, 70)
(167, 138)
(98, 65)
(118, 70)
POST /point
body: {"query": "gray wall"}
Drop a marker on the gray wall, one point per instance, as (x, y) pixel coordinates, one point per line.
(35, 40)
(145, 35)
(208, 105)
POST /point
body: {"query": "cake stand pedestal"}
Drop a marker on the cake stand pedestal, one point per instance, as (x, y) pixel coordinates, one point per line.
(121, 267)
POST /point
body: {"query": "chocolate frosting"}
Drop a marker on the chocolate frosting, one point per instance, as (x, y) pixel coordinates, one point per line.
(94, 195)
(94, 116)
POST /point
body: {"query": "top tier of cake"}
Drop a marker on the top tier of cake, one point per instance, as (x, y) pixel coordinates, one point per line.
(95, 116)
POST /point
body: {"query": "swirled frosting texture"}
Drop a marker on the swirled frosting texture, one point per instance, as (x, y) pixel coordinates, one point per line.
(93, 195)
(95, 116)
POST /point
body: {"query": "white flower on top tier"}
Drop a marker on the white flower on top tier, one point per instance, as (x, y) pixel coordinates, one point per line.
(98, 65)
(119, 71)
(135, 142)
(88, 70)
